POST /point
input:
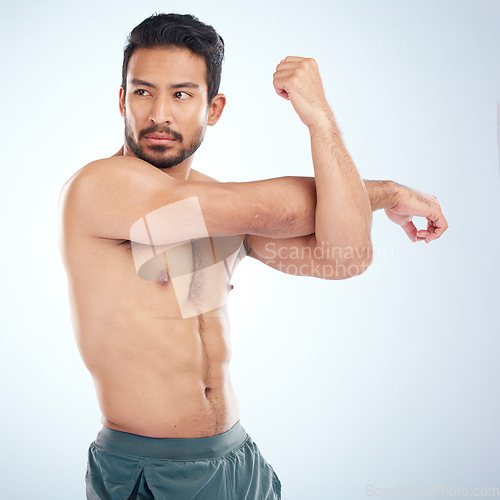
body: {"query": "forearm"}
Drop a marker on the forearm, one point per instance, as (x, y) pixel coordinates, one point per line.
(343, 212)
(343, 209)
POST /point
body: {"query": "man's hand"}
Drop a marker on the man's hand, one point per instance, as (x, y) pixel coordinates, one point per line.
(409, 203)
(298, 80)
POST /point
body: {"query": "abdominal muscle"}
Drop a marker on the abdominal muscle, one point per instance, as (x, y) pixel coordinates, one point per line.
(157, 378)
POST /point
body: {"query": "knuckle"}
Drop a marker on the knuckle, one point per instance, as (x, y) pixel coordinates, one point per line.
(299, 73)
(304, 64)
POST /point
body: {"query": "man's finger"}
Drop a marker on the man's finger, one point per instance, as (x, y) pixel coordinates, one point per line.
(410, 229)
(294, 59)
(286, 65)
(438, 227)
(280, 83)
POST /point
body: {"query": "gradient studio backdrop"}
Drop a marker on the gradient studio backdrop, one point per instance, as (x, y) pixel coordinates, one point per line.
(390, 378)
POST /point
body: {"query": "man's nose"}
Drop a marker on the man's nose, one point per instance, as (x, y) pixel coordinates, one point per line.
(161, 111)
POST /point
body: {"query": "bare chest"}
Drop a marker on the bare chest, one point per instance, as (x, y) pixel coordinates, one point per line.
(198, 271)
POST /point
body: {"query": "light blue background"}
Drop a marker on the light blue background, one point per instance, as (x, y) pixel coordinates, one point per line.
(390, 378)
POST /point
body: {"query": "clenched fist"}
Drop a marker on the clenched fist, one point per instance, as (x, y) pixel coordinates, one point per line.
(298, 80)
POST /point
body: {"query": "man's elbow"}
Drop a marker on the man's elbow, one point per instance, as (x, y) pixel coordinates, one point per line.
(365, 257)
(361, 260)
(355, 262)
(356, 268)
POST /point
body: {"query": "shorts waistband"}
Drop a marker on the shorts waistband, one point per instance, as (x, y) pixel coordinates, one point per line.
(172, 448)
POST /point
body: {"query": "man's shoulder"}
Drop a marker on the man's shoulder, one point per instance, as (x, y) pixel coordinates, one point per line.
(110, 178)
(108, 168)
(124, 163)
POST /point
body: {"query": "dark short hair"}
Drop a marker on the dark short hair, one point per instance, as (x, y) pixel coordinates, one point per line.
(183, 31)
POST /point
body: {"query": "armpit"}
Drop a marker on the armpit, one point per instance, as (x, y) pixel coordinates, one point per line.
(246, 244)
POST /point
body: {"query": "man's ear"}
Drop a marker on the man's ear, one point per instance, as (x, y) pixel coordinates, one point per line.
(122, 101)
(216, 108)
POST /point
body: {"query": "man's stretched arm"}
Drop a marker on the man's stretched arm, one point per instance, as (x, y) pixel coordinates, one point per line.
(110, 196)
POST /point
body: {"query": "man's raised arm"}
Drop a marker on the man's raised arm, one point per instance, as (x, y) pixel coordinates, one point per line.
(343, 210)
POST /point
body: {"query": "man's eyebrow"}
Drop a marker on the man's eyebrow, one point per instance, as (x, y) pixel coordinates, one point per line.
(143, 83)
(182, 85)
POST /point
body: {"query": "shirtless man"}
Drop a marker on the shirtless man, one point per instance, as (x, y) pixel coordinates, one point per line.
(149, 246)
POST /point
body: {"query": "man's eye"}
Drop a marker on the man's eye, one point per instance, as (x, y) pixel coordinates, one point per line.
(139, 92)
(181, 95)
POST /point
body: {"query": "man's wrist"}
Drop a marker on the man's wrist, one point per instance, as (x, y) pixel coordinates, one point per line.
(324, 123)
(383, 194)
(393, 194)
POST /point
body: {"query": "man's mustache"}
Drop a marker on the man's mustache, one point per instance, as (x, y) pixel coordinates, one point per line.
(164, 130)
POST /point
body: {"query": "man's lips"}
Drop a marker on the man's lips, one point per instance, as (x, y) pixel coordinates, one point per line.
(159, 138)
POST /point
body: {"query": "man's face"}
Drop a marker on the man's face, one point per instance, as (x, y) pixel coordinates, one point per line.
(165, 105)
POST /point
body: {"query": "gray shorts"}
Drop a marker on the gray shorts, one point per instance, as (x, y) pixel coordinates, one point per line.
(123, 466)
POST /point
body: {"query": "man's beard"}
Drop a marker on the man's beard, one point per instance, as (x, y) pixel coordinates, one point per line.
(160, 161)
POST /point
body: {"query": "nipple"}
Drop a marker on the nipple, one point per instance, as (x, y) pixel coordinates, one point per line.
(163, 277)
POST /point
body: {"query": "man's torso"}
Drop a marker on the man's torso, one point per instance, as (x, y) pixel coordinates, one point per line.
(158, 370)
